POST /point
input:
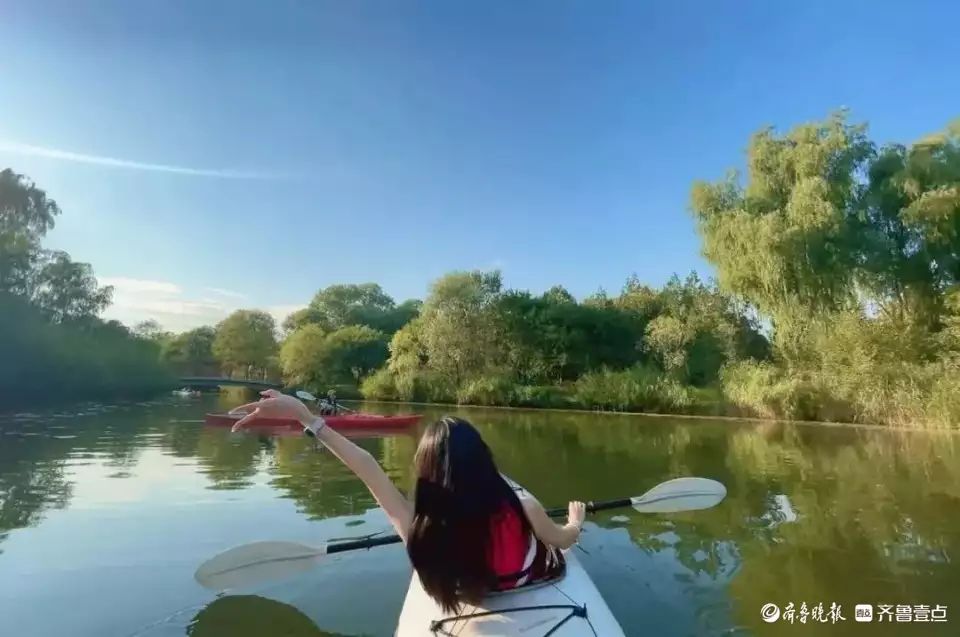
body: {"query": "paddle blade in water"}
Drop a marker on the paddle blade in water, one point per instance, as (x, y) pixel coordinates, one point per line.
(257, 562)
(680, 494)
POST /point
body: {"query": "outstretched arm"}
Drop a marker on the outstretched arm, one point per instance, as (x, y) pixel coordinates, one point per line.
(359, 460)
(276, 405)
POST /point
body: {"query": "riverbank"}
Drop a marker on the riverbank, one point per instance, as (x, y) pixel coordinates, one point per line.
(711, 403)
(732, 419)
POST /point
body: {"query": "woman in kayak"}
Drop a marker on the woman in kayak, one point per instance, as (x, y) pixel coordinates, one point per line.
(466, 531)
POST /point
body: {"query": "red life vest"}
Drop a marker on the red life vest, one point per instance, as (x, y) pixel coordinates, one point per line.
(517, 557)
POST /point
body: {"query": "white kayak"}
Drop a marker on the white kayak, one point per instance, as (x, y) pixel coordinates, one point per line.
(568, 607)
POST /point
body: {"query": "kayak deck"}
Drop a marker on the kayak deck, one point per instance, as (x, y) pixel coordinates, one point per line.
(567, 607)
(348, 421)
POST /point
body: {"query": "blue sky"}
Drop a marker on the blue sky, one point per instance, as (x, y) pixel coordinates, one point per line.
(212, 155)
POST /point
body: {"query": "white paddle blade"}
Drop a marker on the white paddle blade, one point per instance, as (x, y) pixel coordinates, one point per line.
(680, 494)
(250, 564)
(305, 395)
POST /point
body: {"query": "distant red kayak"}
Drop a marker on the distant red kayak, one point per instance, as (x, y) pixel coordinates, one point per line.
(348, 421)
(295, 430)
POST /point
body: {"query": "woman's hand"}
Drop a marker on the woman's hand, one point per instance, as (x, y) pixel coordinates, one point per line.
(576, 514)
(274, 405)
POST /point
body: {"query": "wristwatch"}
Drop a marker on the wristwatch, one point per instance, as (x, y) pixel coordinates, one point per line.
(314, 427)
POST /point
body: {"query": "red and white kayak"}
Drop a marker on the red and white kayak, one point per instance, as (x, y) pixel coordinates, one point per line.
(346, 421)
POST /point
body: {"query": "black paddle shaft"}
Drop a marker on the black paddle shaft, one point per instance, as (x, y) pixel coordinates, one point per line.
(365, 543)
(593, 507)
(370, 542)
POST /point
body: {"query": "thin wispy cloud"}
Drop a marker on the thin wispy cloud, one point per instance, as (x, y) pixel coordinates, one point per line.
(174, 307)
(114, 162)
(228, 293)
(139, 286)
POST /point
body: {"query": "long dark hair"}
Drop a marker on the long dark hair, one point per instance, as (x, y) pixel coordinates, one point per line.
(458, 490)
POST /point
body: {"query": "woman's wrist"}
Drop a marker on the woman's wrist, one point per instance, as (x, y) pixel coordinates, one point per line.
(314, 424)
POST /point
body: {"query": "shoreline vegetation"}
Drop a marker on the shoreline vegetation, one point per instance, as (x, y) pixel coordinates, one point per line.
(836, 299)
(751, 419)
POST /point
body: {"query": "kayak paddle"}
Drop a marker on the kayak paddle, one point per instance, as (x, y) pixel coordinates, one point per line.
(246, 565)
(305, 395)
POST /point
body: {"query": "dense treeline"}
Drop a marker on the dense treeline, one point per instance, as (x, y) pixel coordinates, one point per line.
(342, 336)
(472, 341)
(52, 343)
(852, 252)
(644, 349)
(337, 340)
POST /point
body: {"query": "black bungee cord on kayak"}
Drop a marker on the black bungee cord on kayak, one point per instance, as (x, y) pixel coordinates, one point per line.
(576, 610)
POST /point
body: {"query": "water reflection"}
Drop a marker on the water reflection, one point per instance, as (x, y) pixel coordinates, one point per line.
(813, 514)
(252, 616)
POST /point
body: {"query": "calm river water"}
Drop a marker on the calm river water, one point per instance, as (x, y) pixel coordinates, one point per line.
(107, 510)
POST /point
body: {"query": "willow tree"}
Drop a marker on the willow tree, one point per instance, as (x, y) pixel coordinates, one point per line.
(911, 215)
(785, 238)
(825, 223)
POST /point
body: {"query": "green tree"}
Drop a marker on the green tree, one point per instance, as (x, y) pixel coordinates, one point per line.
(552, 338)
(312, 357)
(65, 290)
(245, 340)
(191, 352)
(26, 214)
(342, 305)
(786, 240)
(303, 356)
(355, 351)
(699, 329)
(52, 337)
(296, 320)
(531, 350)
(401, 315)
(72, 361)
(852, 253)
(149, 329)
(911, 227)
(640, 300)
(458, 325)
(408, 358)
